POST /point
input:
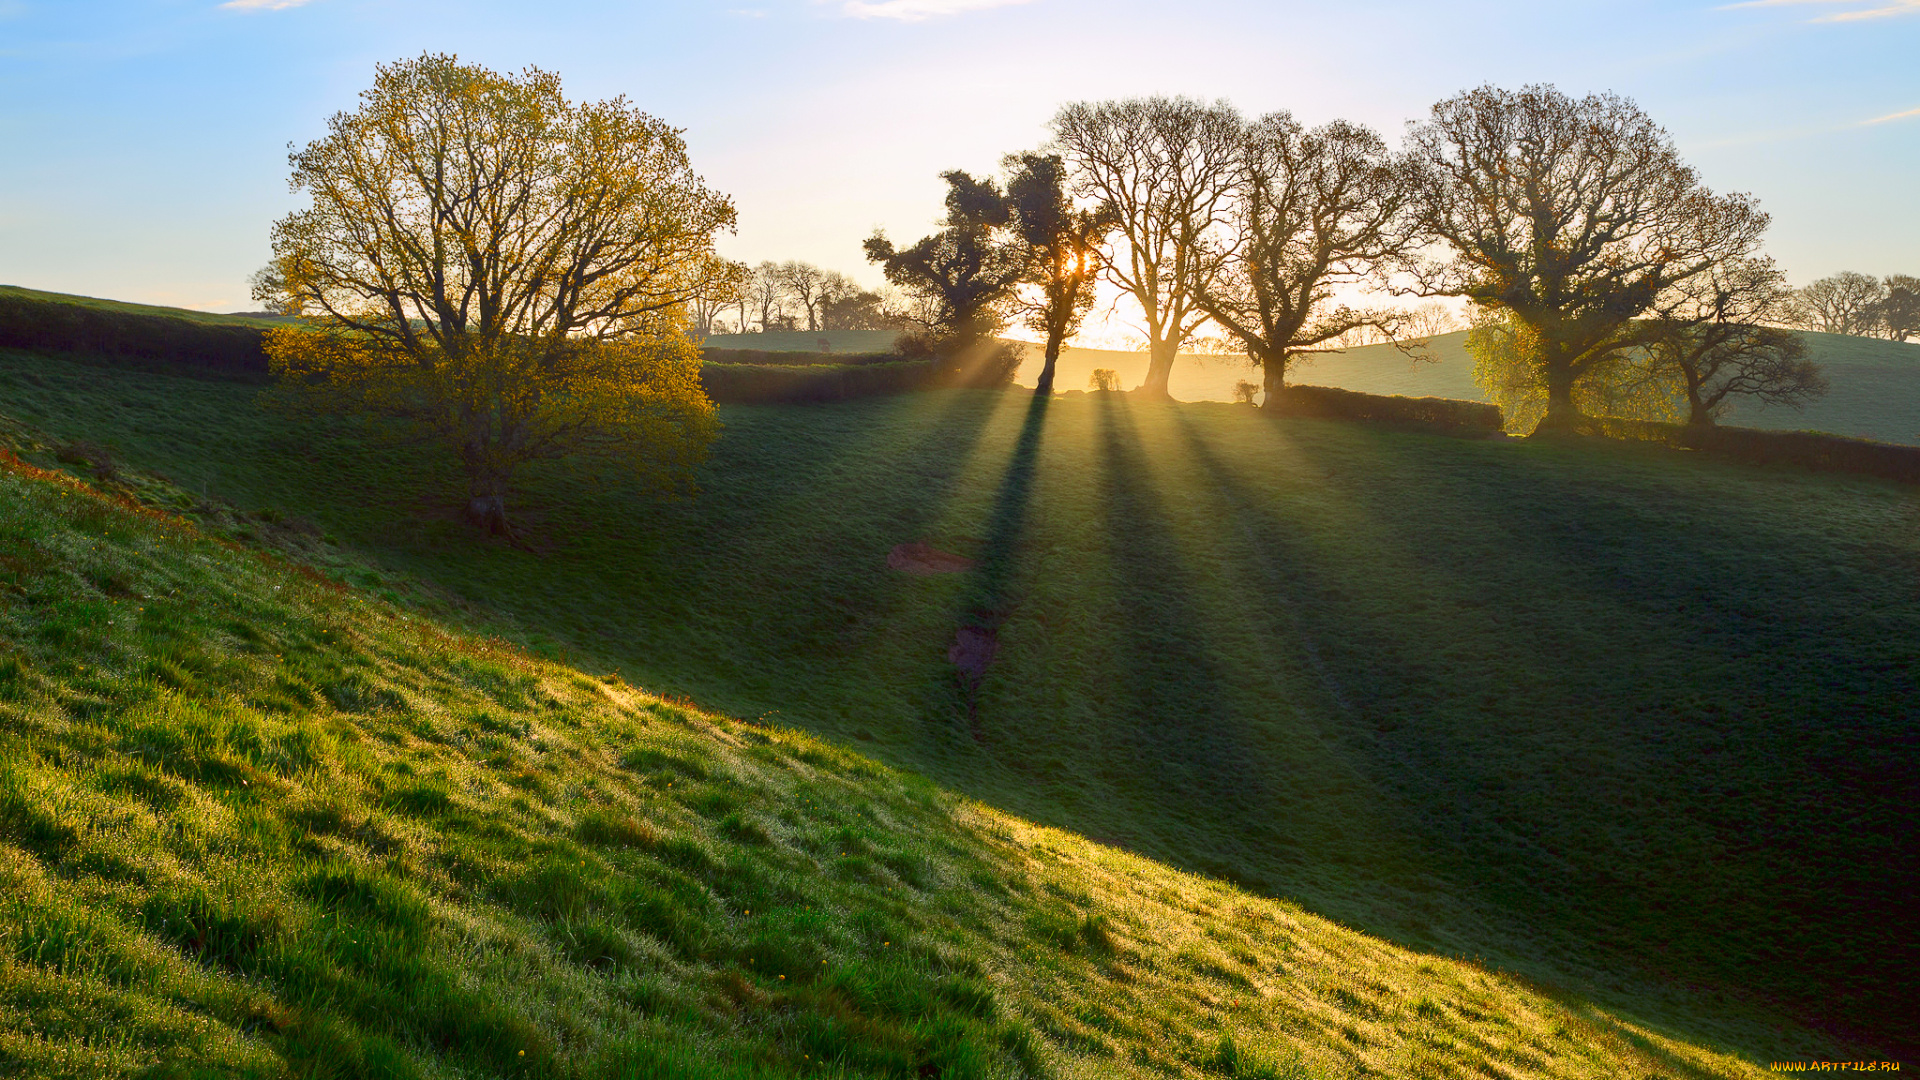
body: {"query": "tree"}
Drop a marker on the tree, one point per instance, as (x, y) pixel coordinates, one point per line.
(1308, 211)
(504, 271)
(1164, 165)
(1713, 332)
(767, 289)
(1061, 243)
(803, 283)
(966, 273)
(1626, 384)
(723, 292)
(1567, 218)
(1844, 303)
(1898, 311)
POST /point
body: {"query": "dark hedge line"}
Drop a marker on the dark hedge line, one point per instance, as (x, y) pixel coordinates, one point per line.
(1808, 449)
(1448, 414)
(762, 383)
(771, 358)
(28, 322)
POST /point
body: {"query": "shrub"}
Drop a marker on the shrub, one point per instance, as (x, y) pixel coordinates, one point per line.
(1103, 380)
(1447, 414)
(768, 383)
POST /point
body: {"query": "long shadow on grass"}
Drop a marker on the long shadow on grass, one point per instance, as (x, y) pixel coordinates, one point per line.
(1175, 727)
(1652, 801)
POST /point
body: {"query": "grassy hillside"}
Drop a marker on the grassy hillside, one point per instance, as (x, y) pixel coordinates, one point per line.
(1621, 719)
(255, 824)
(206, 318)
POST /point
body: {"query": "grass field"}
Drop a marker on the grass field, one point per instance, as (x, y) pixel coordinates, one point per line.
(254, 824)
(204, 317)
(1628, 722)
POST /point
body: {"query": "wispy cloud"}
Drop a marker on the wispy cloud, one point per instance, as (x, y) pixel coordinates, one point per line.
(917, 10)
(262, 5)
(1909, 114)
(1857, 10)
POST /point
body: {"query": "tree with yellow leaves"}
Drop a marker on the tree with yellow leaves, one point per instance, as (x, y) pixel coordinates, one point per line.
(504, 271)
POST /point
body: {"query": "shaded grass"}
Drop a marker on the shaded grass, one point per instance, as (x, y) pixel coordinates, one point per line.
(1628, 722)
(191, 885)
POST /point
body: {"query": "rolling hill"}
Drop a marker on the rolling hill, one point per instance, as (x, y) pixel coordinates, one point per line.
(256, 824)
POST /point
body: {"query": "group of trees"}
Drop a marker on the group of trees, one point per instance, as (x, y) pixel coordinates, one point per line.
(795, 296)
(1598, 265)
(1861, 305)
(515, 275)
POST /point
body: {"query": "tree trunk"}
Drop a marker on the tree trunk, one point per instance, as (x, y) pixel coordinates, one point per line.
(1160, 355)
(1699, 413)
(489, 512)
(1561, 414)
(1273, 381)
(1044, 385)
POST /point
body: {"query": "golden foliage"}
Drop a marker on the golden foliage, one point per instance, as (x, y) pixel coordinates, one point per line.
(504, 268)
(1623, 384)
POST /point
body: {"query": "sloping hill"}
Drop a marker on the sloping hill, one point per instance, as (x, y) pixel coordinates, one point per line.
(255, 824)
(1461, 694)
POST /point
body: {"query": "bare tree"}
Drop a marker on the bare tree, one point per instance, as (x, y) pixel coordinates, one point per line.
(1717, 332)
(1061, 243)
(1164, 165)
(767, 289)
(1309, 211)
(1567, 217)
(803, 281)
(1845, 303)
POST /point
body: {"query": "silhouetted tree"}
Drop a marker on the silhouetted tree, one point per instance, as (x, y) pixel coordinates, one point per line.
(804, 282)
(1843, 303)
(1062, 248)
(766, 288)
(1568, 218)
(1899, 310)
(1713, 332)
(967, 272)
(1165, 166)
(1308, 211)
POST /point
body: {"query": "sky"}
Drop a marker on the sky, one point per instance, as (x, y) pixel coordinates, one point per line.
(143, 143)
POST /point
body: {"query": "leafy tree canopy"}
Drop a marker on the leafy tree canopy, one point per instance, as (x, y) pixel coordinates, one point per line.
(503, 270)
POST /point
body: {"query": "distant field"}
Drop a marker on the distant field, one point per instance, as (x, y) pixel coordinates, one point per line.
(1572, 709)
(1875, 395)
(845, 341)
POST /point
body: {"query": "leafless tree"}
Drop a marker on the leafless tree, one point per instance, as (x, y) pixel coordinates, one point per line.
(1718, 333)
(767, 289)
(715, 296)
(1567, 217)
(1165, 166)
(803, 282)
(1308, 212)
(1845, 303)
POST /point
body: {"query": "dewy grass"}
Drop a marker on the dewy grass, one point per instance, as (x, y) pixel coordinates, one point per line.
(493, 865)
(1633, 724)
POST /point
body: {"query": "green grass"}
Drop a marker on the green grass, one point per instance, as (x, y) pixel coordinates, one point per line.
(1630, 722)
(205, 317)
(255, 824)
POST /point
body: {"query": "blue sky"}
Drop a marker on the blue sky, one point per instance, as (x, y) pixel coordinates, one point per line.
(143, 142)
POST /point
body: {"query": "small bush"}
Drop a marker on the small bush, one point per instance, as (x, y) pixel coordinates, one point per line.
(1103, 380)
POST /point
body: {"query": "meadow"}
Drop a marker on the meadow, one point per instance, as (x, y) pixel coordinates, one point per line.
(1618, 720)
